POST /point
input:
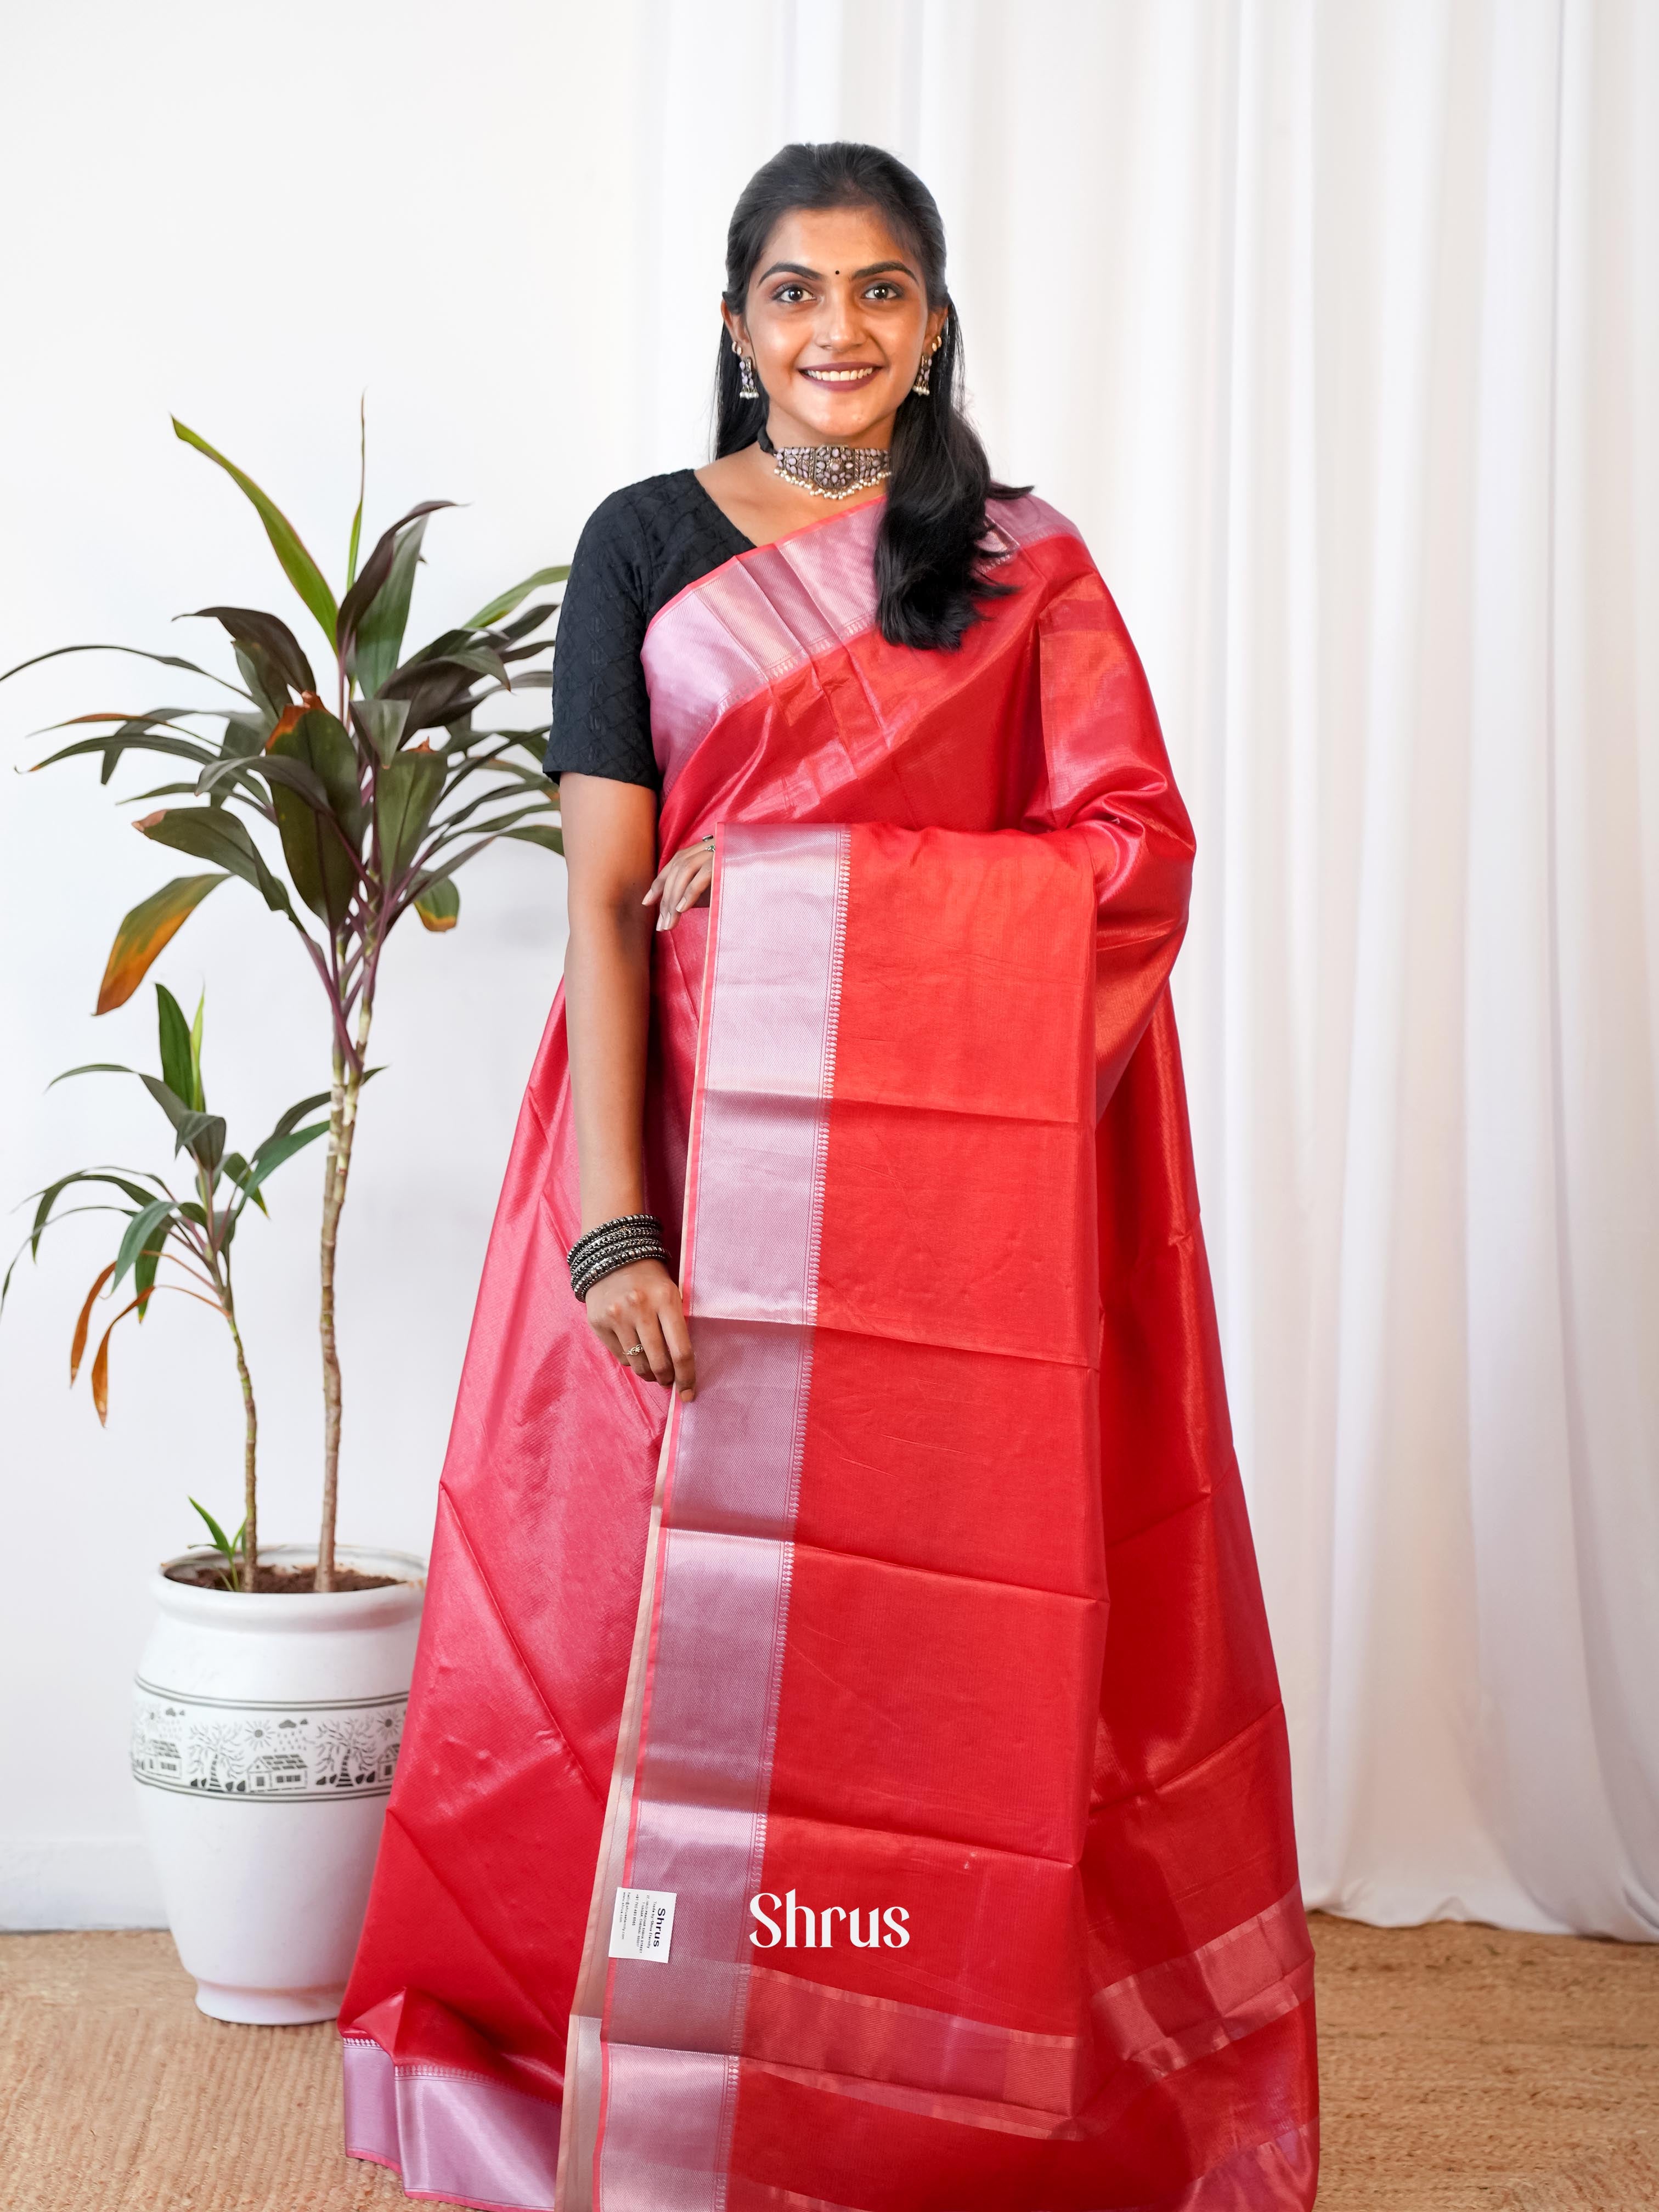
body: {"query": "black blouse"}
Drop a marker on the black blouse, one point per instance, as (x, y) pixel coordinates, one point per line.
(640, 546)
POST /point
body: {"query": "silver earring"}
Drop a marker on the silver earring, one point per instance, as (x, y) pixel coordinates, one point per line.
(924, 383)
(748, 387)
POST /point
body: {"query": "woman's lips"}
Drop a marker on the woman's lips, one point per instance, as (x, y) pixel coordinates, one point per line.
(843, 380)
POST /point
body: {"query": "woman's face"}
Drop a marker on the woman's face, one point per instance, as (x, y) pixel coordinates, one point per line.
(838, 320)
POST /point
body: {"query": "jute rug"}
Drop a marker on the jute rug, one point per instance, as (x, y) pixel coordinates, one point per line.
(1462, 2068)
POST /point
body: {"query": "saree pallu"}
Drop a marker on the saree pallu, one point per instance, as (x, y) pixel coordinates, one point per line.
(918, 1665)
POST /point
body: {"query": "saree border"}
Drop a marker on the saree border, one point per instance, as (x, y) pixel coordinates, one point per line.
(448, 2133)
(652, 2053)
(763, 615)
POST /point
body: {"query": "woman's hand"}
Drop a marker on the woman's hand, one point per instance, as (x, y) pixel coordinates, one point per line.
(682, 882)
(635, 1313)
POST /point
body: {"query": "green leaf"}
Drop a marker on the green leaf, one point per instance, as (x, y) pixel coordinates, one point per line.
(323, 871)
(298, 566)
(263, 679)
(144, 932)
(266, 639)
(492, 612)
(178, 1071)
(140, 1230)
(178, 1111)
(244, 736)
(203, 1135)
(114, 743)
(550, 841)
(49, 1197)
(221, 1541)
(381, 639)
(521, 625)
(374, 611)
(380, 723)
(92, 1067)
(209, 833)
(293, 774)
(143, 1271)
(196, 1048)
(234, 1167)
(295, 1114)
(158, 791)
(362, 486)
(271, 1155)
(481, 660)
(162, 660)
(406, 792)
(437, 691)
(440, 905)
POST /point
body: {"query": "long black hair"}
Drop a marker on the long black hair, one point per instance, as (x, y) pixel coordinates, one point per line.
(928, 551)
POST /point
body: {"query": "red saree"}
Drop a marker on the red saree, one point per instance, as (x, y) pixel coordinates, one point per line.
(918, 1665)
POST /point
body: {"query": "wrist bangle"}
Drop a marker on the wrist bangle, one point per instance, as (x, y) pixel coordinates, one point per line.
(616, 1243)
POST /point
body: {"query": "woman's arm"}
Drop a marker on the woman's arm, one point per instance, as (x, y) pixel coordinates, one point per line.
(611, 846)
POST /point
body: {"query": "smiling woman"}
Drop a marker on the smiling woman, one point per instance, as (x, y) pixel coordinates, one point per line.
(837, 316)
(866, 1525)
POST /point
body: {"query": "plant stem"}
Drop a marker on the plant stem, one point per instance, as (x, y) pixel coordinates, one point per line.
(250, 1457)
(218, 1260)
(342, 1127)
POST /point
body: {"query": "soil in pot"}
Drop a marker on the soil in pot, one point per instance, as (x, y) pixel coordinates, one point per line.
(276, 1581)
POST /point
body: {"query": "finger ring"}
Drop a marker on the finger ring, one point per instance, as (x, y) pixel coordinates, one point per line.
(628, 1350)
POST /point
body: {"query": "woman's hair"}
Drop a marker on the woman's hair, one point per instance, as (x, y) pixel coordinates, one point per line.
(928, 551)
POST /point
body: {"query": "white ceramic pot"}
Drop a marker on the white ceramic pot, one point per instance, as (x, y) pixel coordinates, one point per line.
(265, 1731)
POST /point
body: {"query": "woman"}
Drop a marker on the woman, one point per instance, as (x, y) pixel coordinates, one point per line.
(845, 1764)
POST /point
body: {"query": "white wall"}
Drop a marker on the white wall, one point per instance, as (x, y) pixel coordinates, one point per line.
(1337, 330)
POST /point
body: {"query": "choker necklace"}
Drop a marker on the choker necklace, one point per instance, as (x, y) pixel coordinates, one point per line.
(829, 471)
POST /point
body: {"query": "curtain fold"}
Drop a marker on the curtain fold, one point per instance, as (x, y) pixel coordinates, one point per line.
(1337, 333)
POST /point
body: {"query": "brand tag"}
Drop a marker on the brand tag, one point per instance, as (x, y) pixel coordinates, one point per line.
(642, 1925)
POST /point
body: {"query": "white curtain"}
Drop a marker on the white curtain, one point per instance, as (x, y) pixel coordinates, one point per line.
(1336, 327)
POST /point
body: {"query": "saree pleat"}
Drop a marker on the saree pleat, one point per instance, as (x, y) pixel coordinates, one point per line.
(920, 1659)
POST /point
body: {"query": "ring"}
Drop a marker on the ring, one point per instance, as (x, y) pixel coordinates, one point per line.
(629, 1350)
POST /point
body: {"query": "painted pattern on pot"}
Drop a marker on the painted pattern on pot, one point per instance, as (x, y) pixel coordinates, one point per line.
(241, 1747)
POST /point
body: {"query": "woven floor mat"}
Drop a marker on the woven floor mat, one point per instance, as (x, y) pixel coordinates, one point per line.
(1464, 2070)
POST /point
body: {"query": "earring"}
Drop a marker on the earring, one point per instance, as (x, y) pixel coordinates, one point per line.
(748, 386)
(924, 383)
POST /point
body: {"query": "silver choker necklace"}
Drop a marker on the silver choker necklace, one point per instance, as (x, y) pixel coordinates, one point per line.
(829, 471)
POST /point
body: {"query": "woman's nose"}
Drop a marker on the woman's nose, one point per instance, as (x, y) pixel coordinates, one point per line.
(838, 320)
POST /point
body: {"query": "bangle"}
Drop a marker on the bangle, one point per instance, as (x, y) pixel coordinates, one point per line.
(613, 1244)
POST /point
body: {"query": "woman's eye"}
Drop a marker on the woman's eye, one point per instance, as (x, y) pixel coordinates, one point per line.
(884, 291)
(786, 294)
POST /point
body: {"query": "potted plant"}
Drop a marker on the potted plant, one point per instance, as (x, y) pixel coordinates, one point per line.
(270, 1695)
(248, 1796)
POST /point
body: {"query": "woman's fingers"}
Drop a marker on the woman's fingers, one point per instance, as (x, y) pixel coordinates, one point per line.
(681, 882)
(657, 1362)
(684, 892)
(615, 1302)
(677, 1339)
(637, 1315)
(697, 881)
(686, 887)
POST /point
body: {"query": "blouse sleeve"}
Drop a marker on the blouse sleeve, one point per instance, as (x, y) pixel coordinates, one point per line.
(601, 712)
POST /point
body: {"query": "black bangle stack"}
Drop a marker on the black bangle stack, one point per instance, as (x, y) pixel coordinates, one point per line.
(615, 1244)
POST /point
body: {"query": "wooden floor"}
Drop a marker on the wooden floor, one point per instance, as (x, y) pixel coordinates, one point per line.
(1462, 2068)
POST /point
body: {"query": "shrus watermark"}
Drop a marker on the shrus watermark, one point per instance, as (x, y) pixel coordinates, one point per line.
(814, 1930)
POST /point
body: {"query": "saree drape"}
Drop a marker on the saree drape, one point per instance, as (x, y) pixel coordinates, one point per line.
(918, 1667)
